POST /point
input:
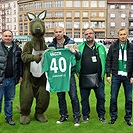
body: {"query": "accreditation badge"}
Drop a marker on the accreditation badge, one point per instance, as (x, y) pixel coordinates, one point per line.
(94, 59)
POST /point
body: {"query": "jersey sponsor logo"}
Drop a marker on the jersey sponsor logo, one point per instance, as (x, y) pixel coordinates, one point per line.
(62, 75)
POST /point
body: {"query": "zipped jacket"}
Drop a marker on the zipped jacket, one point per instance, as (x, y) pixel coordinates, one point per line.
(16, 61)
(113, 58)
(67, 41)
(102, 54)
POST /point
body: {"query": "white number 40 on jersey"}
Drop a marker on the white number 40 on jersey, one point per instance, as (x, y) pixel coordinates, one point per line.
(61, 63)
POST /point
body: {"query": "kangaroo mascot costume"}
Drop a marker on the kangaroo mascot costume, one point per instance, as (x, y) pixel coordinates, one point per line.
(31, 86)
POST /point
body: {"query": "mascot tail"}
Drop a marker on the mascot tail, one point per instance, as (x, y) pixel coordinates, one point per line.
(18, 108)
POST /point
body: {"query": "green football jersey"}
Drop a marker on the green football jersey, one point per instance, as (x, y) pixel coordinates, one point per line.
(57, 66)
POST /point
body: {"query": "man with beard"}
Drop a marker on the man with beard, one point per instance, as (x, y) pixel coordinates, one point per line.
(92, 63)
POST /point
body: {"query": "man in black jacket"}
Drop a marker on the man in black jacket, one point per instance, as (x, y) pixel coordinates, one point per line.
(10, 72)
(119, 62)
(60, 41)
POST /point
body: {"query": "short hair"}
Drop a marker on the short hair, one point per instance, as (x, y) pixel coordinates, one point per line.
(90, 29)
(58, 27)
(7, 30)
(121, 29)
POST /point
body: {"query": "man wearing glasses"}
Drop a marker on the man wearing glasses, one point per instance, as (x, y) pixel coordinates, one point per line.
(92, 62)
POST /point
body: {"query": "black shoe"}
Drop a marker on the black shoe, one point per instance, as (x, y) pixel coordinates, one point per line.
(112, 121)
(102, 119)
(129, 123)
(62, 119)
(76, 121)
(10, 121)
(85, 119)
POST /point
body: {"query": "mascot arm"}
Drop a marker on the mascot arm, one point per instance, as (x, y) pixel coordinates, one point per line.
(27, 55)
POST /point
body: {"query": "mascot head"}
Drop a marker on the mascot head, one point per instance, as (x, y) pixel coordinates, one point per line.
(37, 27)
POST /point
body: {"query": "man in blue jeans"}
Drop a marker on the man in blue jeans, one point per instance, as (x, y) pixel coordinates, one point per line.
(119, 63)
(92, 62)
(10, 72)
(60, 41)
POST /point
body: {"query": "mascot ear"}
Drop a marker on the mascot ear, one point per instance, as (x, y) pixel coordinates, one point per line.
(30, 16)
(42, 15)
